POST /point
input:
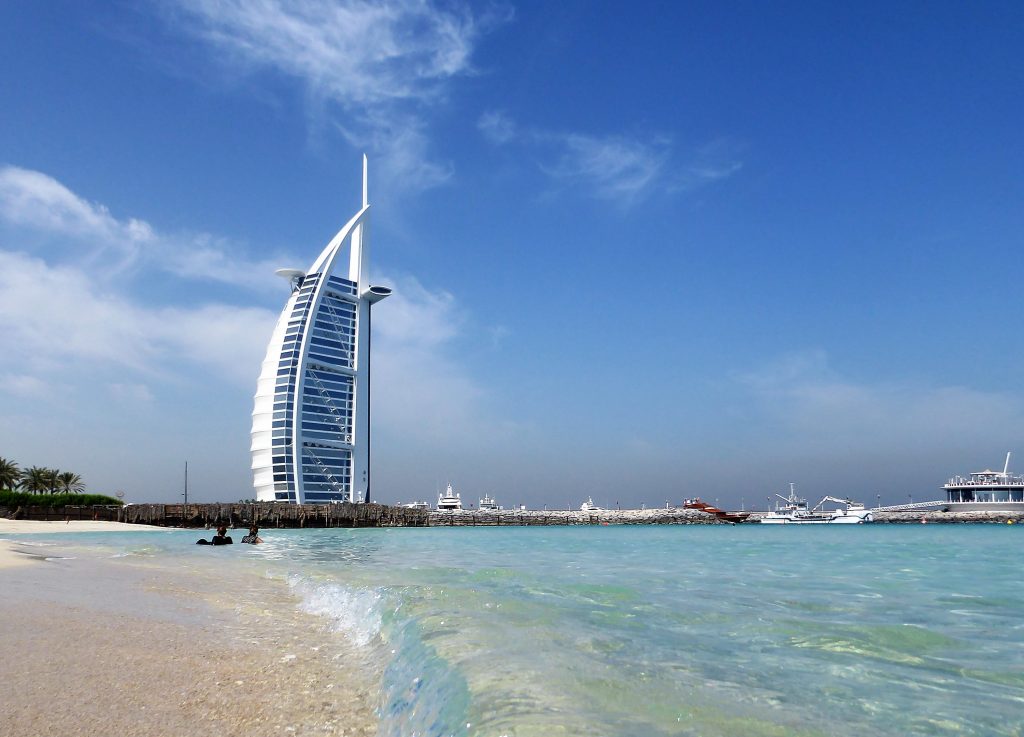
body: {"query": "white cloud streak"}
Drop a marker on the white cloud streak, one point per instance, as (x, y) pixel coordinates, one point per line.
(616, 168)
(56, 317)
(497, 127)
(815, 406)
(65, 324)
(382, 63)
(356, 52)
(33, 201)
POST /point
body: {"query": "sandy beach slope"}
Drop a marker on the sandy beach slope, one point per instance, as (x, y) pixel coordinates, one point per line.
(23, 527)
(151, 648)
(11, 555)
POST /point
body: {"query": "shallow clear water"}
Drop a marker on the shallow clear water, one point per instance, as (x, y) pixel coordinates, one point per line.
(683, 630)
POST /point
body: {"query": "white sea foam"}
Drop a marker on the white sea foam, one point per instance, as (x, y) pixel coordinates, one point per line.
(353, 612)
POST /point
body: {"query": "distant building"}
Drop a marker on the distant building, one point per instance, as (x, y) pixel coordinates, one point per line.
(311, 418)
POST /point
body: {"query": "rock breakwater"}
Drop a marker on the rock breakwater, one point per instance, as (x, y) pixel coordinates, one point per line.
(946, 518)
(476, 518)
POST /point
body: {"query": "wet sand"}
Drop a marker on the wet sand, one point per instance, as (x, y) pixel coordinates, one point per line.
(148, 648)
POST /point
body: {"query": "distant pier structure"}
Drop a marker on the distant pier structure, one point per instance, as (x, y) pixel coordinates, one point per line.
(311, 414)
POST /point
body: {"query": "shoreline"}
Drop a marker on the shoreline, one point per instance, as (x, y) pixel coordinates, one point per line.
(149, 647)
(58, 527)
(11, 555)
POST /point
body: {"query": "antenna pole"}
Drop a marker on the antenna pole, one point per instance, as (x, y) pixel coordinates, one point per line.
(1006, 466)
(366, 189)
(186, 495)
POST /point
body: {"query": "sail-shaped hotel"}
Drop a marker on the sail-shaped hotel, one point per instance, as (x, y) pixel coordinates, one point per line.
(311, 419)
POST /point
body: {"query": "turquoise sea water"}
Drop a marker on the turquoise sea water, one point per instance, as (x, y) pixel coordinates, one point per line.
(651, 631)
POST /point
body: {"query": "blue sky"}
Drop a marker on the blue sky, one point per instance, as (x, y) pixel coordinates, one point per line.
(641, 251)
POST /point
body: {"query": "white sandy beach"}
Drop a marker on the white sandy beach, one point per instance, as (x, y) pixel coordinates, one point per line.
(12, 555)
(23, 527)
(94, 647)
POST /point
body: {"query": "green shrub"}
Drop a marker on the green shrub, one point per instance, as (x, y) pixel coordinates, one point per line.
(20, 499)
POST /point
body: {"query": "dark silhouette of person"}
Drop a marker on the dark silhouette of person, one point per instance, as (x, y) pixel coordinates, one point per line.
(221, 538)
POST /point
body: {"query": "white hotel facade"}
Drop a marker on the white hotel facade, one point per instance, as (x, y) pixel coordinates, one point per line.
(311, 418)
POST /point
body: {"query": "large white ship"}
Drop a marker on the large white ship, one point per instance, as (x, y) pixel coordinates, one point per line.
(796, 512)
(450, 501)
(988, 490)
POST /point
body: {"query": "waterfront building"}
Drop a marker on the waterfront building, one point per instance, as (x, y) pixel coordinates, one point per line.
(311, 414)
(987, 490)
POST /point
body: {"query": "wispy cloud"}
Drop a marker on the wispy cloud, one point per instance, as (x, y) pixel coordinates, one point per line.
(357, 52)
(403, 162)
(33, 200)
(382, 63)
(65, 323)
(710, 163)
(497, 127)
(429, 394)
(130, 393)
(36, 202)
(811, 404)
(614, 168)
(57, 317)
(622, 169)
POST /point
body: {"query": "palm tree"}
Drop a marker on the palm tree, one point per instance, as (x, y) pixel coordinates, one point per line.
(36, 480)
(70, 483)
(10, 474)
(52, 482)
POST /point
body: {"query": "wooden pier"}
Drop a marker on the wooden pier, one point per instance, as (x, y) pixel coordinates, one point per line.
(262, 514)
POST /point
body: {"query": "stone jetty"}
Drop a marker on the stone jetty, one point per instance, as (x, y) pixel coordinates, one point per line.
(502, 517)
(274, 514)
(946, 518)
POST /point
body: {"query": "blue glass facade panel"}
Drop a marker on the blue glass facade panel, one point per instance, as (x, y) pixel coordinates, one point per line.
(325, 415)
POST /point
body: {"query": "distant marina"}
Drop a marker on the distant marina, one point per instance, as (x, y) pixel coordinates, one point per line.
(984, 496)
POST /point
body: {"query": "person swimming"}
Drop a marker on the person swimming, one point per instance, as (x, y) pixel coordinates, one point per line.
(254, 536)
(221, 538)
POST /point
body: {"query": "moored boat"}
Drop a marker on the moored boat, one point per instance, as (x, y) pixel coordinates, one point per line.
(450, 501)
(796, 511)
(702, 506)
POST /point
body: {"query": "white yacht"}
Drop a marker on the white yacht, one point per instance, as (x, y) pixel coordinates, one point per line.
(487, 504)
(986, 491)
(795, 511)
(417, 505)
(589, 506)
(449, 501)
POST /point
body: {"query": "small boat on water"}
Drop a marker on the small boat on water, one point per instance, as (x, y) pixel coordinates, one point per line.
(487, 504)
(701, 505)
(417, 505)
(589, 506)
(796, 512)
(449, 501)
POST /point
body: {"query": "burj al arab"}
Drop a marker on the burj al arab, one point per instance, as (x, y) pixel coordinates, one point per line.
(311, 416)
